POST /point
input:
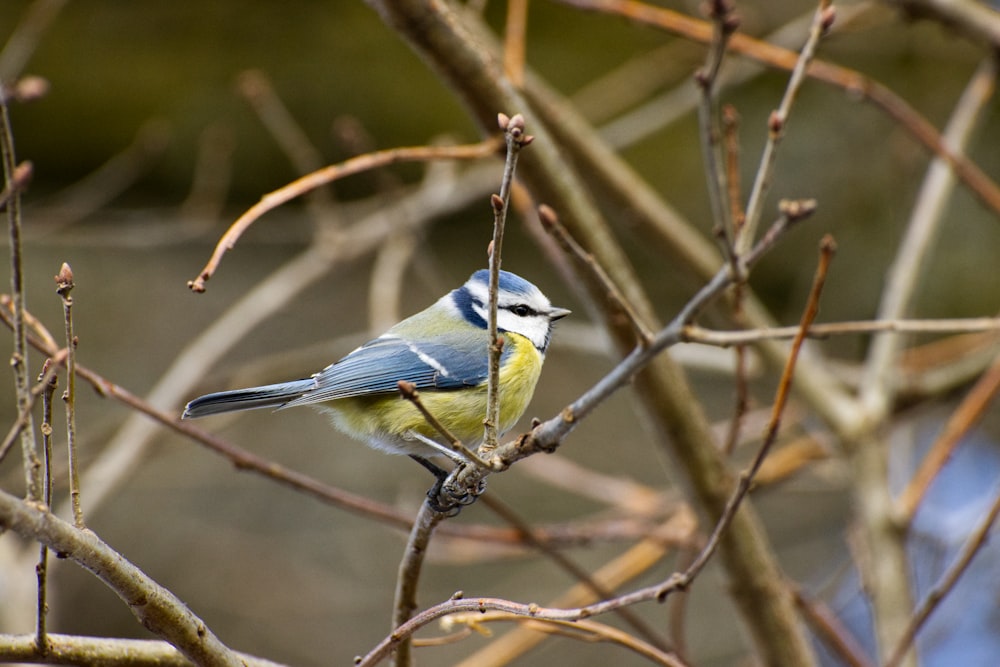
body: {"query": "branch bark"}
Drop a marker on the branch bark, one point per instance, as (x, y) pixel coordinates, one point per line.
(157, 609)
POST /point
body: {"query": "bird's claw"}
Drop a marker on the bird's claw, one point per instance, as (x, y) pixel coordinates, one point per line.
(448, 498)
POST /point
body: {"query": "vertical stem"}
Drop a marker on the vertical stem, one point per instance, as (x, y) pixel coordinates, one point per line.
(64, 282)
(514, 135)
(41, 570)
(776, 127)
(723, 25)
(409, 576)
(19, 358)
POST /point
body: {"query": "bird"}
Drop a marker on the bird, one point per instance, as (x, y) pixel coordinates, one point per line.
(442, 352)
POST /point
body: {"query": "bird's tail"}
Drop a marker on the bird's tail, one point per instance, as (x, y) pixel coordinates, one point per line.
(269, 396)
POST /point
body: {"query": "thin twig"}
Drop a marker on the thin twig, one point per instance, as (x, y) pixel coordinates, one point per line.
(516, 139)
(14, 182)
(724, 24)
(408, 390)
(591, 631)
(18, 183)
(329, 174)
(550, 223)
(827, 249)
(22, 418)
(547, 435)
(64, 285)
(731, 143)
(822, 20)
(636, 561)
(49, 377)
(507, 513)
(741, 403)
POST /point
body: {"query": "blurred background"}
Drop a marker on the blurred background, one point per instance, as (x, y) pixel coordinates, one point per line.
(150, 141)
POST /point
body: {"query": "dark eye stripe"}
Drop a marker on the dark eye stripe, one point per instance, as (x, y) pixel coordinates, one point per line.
(521, 309)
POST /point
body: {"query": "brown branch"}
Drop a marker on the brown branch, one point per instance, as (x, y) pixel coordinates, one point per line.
(329, 174)
(633, 563)
(14, 181)
(64, 285)
(511, 518)
(550, 223)
(515, 140)
(724, 23)
(827, 249)
(776, 124)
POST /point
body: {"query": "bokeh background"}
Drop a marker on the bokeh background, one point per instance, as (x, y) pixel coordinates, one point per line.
(279, 575)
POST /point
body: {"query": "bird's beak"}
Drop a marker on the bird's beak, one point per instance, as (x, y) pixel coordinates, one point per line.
(558, 313)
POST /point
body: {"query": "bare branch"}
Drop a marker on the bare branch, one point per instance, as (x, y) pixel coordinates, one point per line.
(74, 650)
(329, 174)
(14, 182)
(154, 606)
(515, 139)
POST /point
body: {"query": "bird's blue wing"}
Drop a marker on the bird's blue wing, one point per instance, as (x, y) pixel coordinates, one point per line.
(379, 365)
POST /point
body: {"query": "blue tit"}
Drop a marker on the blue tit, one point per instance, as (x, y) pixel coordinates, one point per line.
(441, 350)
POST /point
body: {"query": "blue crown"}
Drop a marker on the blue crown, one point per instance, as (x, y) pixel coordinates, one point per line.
(509, 282)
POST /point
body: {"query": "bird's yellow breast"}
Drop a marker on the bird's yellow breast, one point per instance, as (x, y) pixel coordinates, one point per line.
(388, 420)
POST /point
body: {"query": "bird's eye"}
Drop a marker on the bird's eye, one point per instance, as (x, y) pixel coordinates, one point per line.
(521, 310)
